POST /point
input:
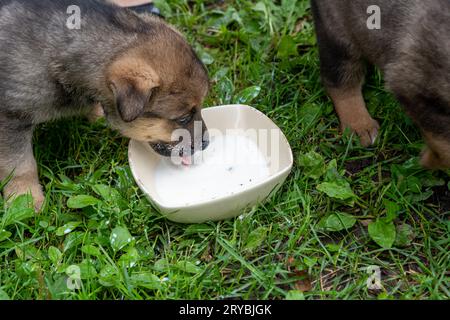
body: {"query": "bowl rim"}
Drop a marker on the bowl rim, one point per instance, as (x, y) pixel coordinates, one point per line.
(175, 209)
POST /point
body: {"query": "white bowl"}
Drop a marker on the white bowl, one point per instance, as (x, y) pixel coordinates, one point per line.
(274, 145)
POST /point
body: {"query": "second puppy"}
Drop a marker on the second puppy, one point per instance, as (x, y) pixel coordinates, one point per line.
(412, 48)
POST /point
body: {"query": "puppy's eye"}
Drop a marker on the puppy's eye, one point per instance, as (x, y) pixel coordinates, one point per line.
(184, 120)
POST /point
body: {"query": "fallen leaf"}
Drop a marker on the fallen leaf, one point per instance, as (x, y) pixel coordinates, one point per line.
(337, 221)
(304, 283)
(81, 201)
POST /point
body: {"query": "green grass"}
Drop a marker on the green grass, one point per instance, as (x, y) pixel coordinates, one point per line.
(289, 246)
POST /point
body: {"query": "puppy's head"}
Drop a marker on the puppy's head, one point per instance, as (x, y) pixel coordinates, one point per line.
(156, 88)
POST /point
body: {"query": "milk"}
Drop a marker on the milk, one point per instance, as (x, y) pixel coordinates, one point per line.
(229, 165)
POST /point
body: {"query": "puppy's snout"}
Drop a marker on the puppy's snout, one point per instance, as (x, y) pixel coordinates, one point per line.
(163, 149)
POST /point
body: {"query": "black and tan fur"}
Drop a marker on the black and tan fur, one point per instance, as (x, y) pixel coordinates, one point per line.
(142, 72)
(412, 49)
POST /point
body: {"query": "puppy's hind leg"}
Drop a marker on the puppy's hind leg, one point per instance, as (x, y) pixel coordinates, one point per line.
(437, 153)
(16, 158)
(430, 110)
(342, 71)
(353, 114)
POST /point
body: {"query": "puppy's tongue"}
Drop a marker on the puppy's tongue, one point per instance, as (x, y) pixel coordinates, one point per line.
(186, 160)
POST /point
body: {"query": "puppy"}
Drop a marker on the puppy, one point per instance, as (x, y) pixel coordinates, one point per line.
(142, 72)
(411, 47)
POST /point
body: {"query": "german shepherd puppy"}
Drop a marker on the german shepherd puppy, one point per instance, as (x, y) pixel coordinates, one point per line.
(411, 47)
(142, 72)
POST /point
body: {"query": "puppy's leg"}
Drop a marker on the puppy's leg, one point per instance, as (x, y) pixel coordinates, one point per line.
(430, 110)
(16, 157)
(353, 114)
(437, 153)
(342, 72)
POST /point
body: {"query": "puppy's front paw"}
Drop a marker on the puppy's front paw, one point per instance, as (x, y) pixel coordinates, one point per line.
(366, 129)
(17, 187)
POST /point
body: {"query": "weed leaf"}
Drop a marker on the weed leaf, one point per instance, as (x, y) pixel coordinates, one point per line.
(287, 47)
(146, 280)
(87, 269)
(91, 250)
(337, 222)
(18, 210)
(256, 238)
(313, 164)
(54, 254)
(382, 232)
(120, 237)
(295, 295)
(248, 95)
(67, 228)
(4, 235)
(81, 201)
(188, 267)
(338, 189)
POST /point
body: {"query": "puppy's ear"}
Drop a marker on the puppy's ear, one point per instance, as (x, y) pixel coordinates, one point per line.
(130, 100)
(132, 82)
